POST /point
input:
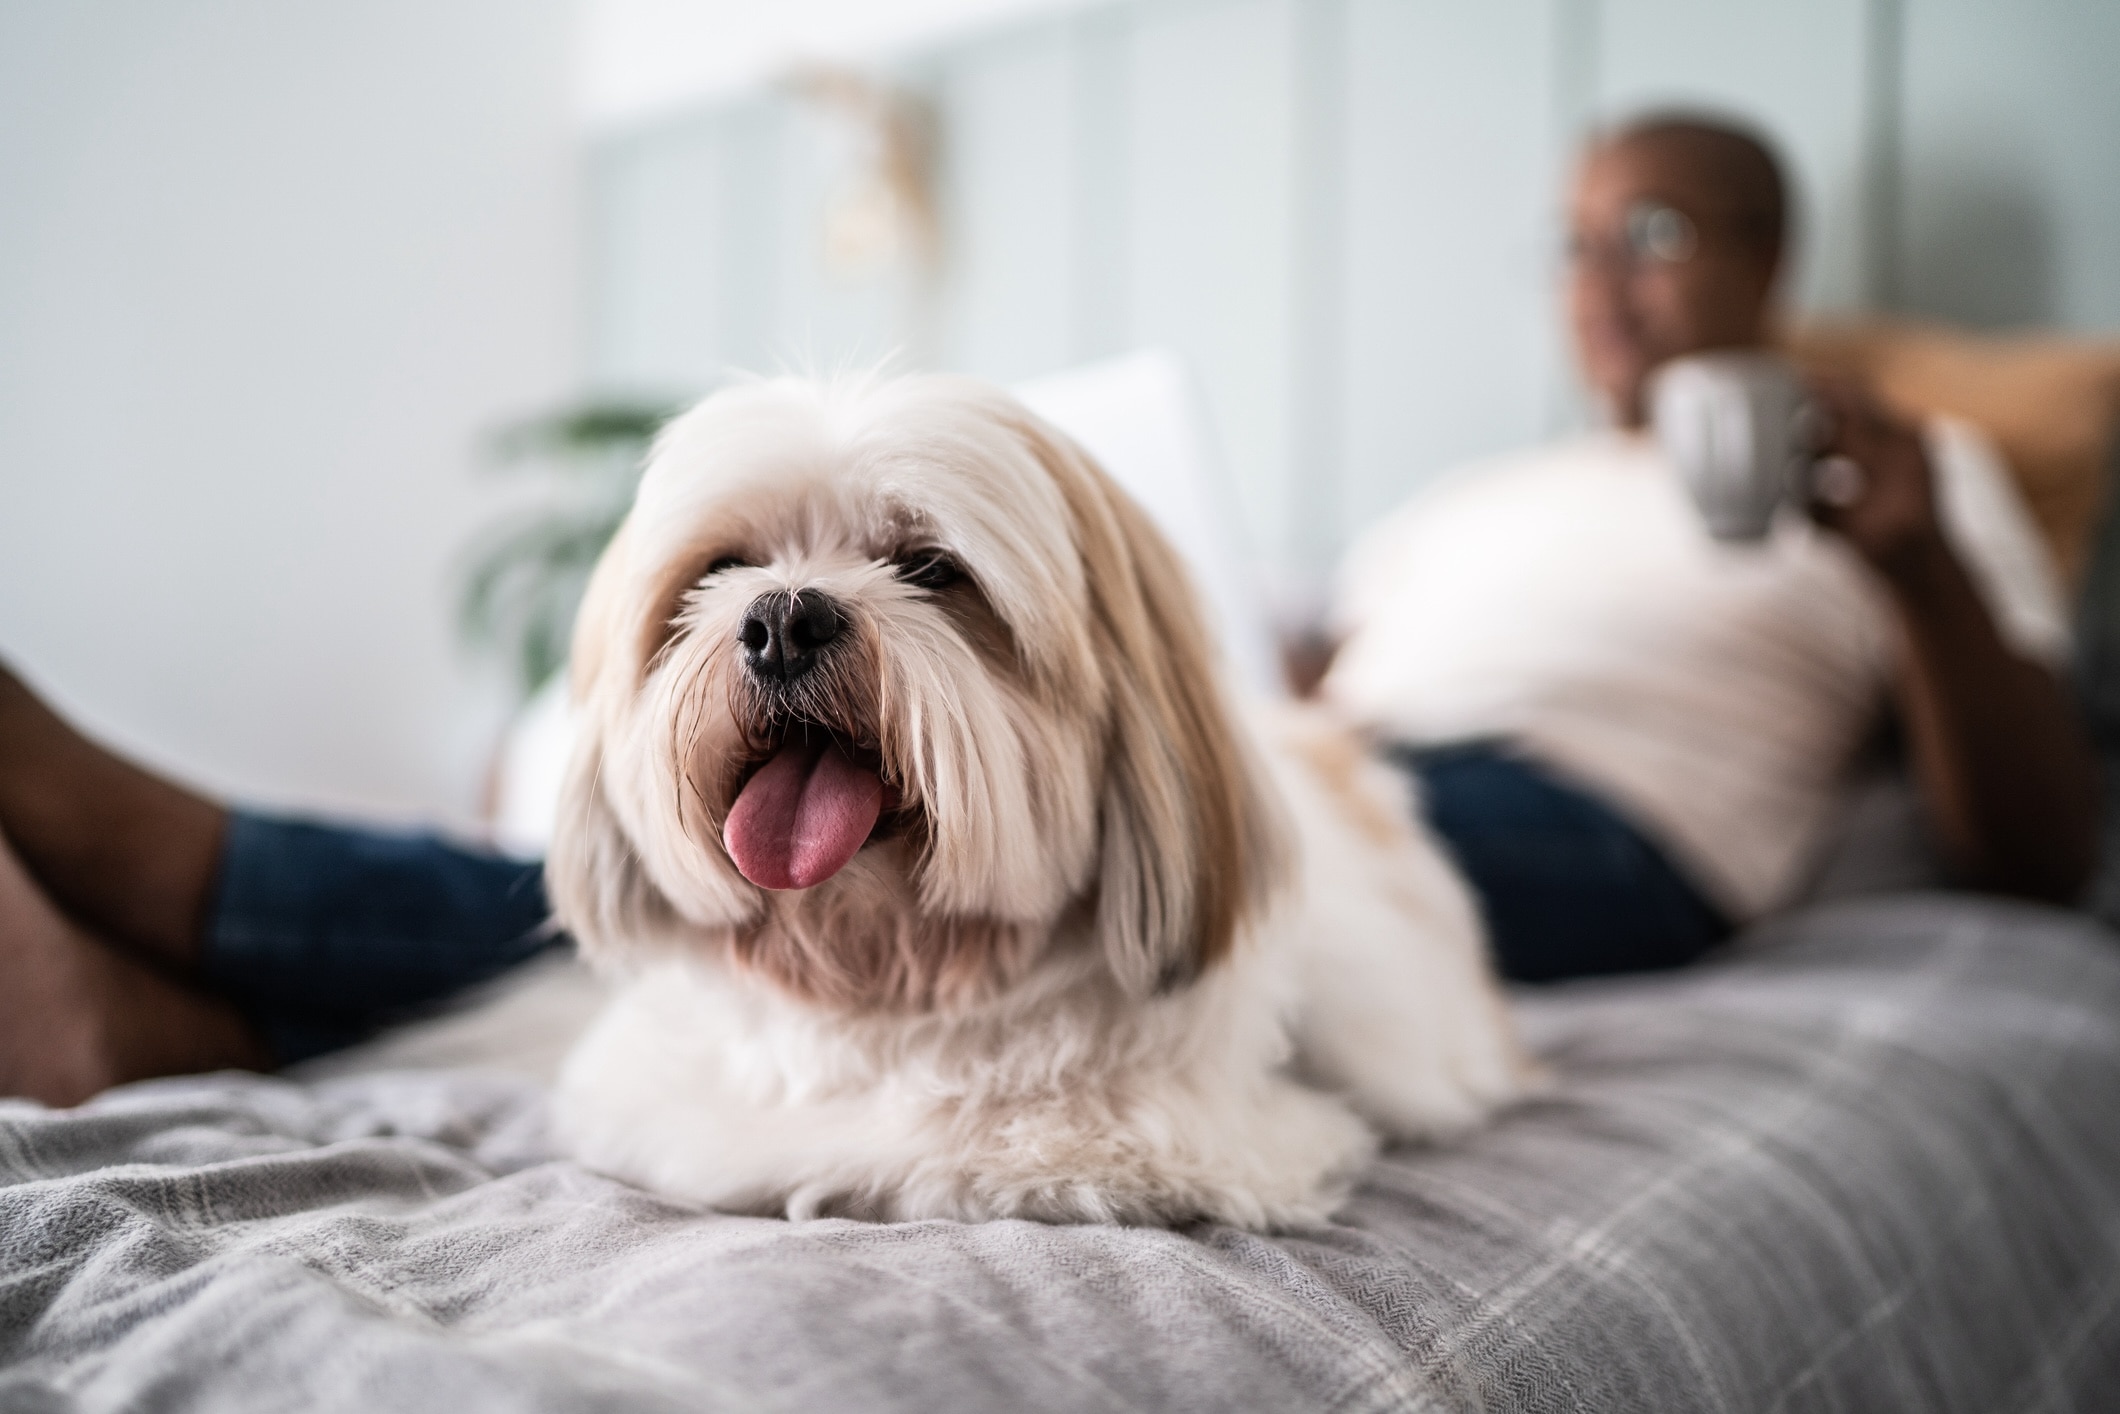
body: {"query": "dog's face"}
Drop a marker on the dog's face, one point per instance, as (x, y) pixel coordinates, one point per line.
(887, 690)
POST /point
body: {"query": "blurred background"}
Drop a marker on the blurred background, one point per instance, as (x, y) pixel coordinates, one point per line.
(277, 278)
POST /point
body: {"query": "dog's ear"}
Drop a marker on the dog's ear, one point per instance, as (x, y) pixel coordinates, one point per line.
(1193, 839)
(600, 892)
(600, 630)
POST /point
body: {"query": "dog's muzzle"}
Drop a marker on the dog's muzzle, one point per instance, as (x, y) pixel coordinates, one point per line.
(782, 634)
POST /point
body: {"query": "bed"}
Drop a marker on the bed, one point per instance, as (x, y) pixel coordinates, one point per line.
(1867, 1159)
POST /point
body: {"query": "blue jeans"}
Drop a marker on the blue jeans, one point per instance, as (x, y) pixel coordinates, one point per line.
(323, 933)
(1568, 886)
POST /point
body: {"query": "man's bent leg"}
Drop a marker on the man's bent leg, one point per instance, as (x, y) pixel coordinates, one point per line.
(324, 933)
(78, 1016)
(321, 933)
(128, 853)
(1568, 887)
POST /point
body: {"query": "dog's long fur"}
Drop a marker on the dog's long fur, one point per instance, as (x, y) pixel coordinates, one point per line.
(1069, 979)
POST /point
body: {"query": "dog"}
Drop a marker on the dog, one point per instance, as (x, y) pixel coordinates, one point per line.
(940, 876)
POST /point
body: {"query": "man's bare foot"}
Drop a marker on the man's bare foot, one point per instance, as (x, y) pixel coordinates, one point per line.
(77, 1017)
(127, 852)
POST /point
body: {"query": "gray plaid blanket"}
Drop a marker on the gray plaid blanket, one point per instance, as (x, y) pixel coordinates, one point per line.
(1869, 1160)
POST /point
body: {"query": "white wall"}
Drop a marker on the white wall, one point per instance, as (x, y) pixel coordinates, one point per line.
(268, 271)
(641, 57)
(2012, 162)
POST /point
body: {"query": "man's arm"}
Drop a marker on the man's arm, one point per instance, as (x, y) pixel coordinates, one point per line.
(1999, 749)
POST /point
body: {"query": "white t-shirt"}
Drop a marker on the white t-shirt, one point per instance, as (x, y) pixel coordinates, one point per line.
(1569, 601)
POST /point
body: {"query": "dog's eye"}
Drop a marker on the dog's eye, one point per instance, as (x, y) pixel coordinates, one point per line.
(930, 569)
(726, 562)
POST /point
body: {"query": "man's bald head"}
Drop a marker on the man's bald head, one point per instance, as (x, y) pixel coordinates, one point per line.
(1732, 169)
(1677, 226)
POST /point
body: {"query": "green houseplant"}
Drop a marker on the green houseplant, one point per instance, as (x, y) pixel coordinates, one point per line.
(527, 573)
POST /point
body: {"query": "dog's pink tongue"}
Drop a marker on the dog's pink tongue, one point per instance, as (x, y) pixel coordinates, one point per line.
(799, 820)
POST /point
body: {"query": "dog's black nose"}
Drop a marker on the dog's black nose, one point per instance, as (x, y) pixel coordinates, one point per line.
(782, 634)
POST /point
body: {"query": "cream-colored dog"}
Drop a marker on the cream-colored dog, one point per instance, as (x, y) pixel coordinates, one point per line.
(939, 876)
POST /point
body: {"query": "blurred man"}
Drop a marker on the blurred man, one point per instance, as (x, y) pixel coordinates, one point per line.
(1634, 736)
(1629, 735)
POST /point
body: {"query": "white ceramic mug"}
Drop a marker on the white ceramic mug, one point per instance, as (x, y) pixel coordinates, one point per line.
(1743, 431)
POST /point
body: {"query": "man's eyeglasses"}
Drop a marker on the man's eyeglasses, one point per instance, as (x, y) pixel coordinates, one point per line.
(1654, 234)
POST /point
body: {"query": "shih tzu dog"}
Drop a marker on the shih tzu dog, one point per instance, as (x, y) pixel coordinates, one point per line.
(939, 876)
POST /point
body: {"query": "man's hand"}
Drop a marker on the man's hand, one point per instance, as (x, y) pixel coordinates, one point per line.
(1881, 496)
(1998, 746)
